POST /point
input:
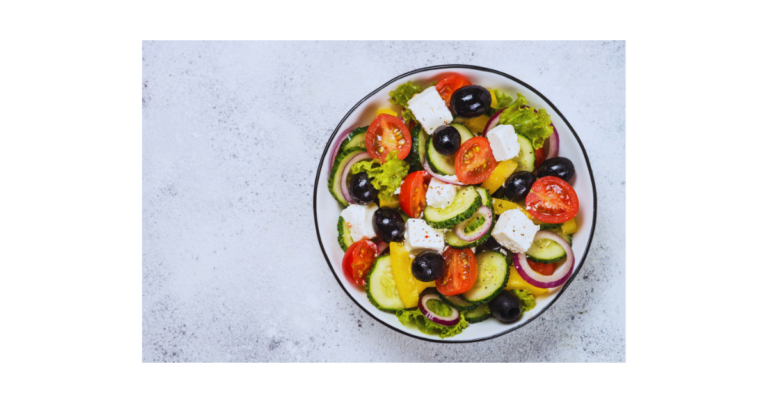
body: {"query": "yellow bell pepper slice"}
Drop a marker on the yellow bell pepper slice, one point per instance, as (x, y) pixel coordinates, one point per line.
(569, 227)
(386, 111)
(408, 288)
(477, 125)
(494, 101)
(499, 175)
(517, 283)
(500, 206)
(392, 202)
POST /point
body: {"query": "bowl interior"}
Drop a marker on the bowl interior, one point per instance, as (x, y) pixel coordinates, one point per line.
(327, 209)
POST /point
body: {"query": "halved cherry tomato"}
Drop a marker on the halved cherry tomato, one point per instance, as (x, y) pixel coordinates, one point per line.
(358, 261)
(387, 133)
(552, 200)
(460, 272)
(545, 269)
(539, 153)
(413, 193)
(448, 85)
(474, 161)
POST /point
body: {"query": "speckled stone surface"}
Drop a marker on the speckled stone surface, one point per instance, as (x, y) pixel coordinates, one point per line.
(232, 135)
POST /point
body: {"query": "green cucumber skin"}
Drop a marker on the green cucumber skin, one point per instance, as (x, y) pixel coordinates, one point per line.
(485, 195)
(350, 141)
(460, 308)
(343, 233)
(336, 167)
(548, 255)
(479, 314)
(414, 158)
(368, 288)
(436, 161)
(529, 163)
(498, 291)
(451, 222)
(454, 242)
(547, 227)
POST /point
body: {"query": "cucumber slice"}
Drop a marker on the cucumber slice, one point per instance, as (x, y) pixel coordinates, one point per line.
(464, 205)
(418, 148)
(485, 197)
(526, 159)
(345, 237)
(380, 286)
(454, 242)
(478, 314)
(545, 251)
(567, 237)
(457, 302)
(354, 139)
(549, 227)
(442, 164)
(492, 276)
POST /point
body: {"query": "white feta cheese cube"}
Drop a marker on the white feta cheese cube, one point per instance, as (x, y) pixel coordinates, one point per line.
(514, 231)
(440, 194)
(430, 109)
(359, 219)
(420, 236)
(503, 142)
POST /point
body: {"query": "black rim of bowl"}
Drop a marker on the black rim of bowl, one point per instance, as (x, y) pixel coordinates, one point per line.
(443, 67)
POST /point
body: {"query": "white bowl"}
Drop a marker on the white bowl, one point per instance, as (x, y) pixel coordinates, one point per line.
(327, 209)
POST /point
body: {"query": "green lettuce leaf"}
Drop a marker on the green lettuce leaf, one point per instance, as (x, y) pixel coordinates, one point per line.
(535, 126)
(426, 326)
(502, 100)
(402, 95)
(527, 300)
(386, 177)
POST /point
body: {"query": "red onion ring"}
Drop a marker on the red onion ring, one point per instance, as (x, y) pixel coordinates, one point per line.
(492, 123)
(557, 278)
(345, 172)
(553, 144)
(339, 139)
(381, 246)
(450, 320)
(441, 177)
(459, 229)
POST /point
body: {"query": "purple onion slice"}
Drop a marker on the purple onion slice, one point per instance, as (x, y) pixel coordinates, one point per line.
(339, 139)
(537, 279)
(344, 185)
(459, 229)
(449, 320)
(441, 177)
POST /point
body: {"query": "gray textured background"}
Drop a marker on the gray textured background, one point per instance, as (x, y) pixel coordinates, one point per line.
(232, 134)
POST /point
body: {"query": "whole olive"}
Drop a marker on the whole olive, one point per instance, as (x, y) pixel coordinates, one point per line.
(517, 186)
(506, 307)
(560, 167)
(428, 266)
(470, 101)
(361, 189)
(446, 140)
(388, 225)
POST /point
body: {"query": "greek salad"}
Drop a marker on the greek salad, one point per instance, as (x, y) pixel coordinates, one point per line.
(457, 207)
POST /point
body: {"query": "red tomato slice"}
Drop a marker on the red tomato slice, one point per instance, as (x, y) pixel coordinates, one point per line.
(474, 161)
(545, 269)
(448, 85)
(460, 272)
(539, 153)
(358, 261)
(387, 133)
(413, 193)
(552, 200)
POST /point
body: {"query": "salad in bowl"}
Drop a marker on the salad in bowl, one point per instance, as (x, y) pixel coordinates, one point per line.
(455, 206)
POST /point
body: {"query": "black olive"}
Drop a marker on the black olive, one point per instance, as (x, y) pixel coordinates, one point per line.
(446, 140)
(517, 186)
(470, 101)
(506, 307)
(560, 167)
(428, 266)
(361, 189)
(388, 225)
